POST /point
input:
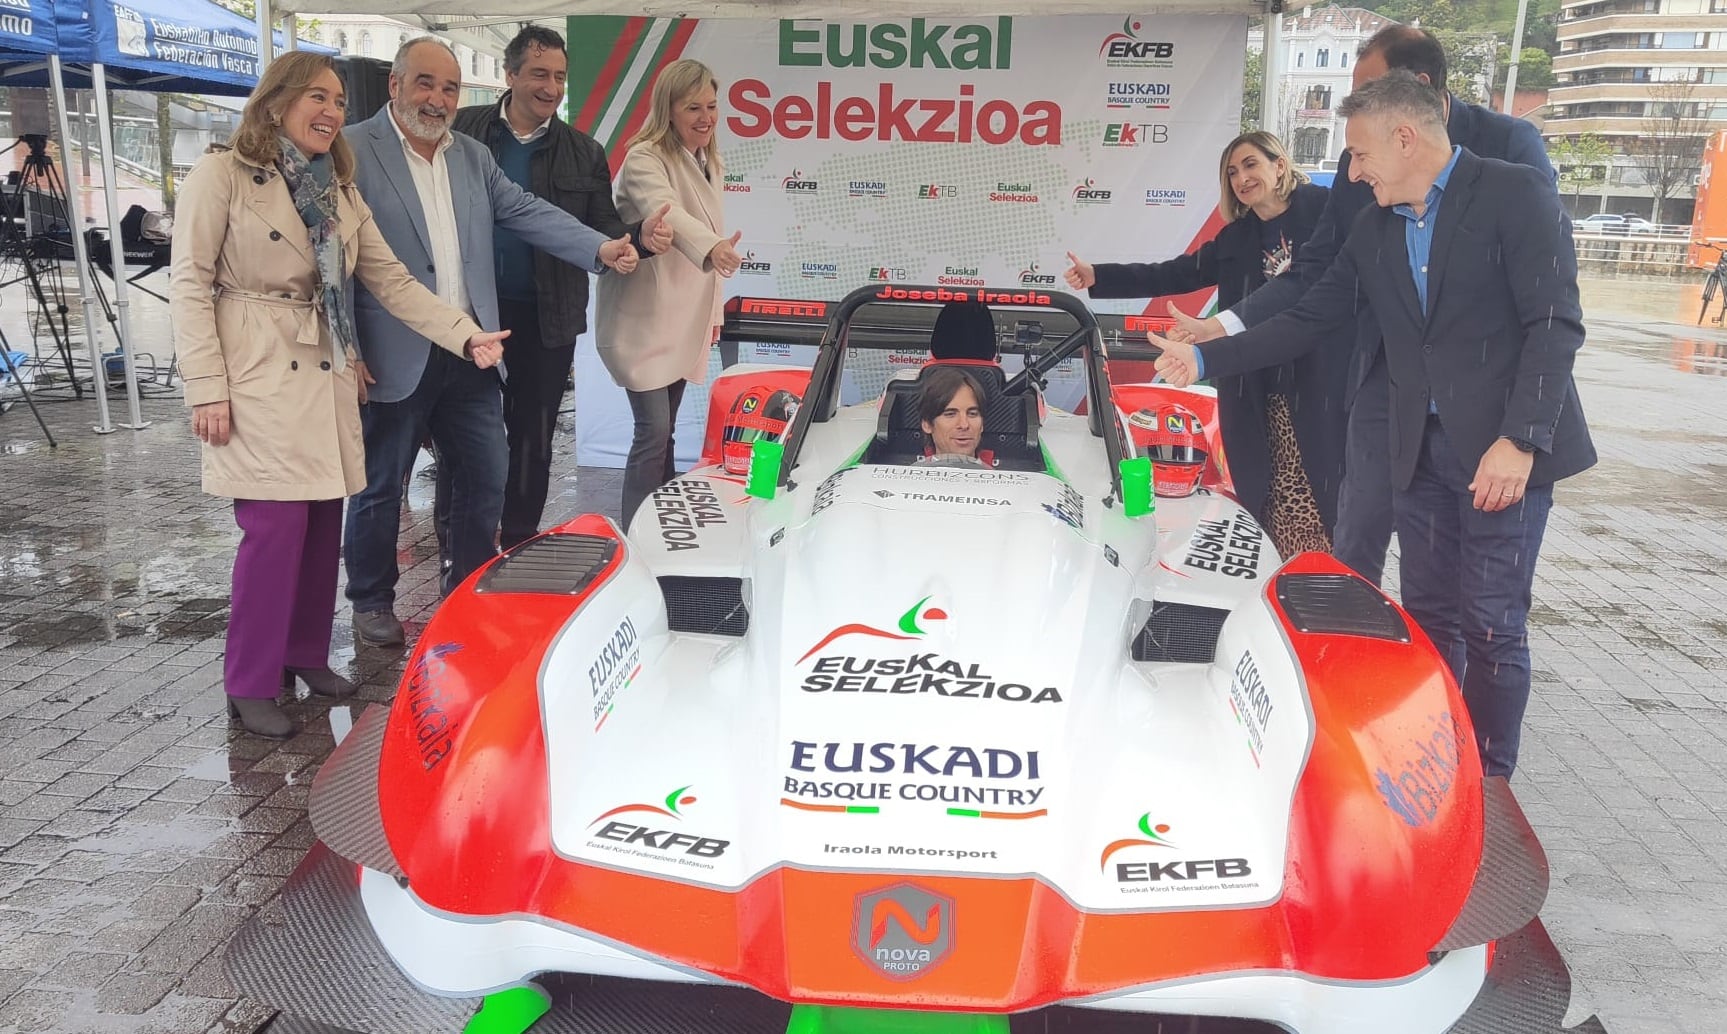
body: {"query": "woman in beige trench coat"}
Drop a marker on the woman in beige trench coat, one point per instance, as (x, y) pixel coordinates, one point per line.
(654, 329)
(267, 238)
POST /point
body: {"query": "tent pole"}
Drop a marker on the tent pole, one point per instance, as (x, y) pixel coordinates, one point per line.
(1271, 68)
(116, 247)
(266, 35)
(290, 33)
(81, 260)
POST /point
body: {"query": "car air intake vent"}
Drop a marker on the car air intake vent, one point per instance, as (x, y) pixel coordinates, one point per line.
(714, 606)
(1339, 604)
(555, 565)
(1179, 632)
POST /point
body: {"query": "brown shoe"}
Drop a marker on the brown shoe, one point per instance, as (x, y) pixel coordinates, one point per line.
(261, 717)
(321, 681)
(378, 628)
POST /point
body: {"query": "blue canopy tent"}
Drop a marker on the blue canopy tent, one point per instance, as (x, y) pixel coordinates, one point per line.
(157, 46)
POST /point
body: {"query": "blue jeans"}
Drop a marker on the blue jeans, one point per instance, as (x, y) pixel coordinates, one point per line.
(1467, 576)
(462, 408)
(1364, 510)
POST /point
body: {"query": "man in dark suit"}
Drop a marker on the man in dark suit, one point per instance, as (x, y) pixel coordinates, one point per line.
(1362, 532)
(1484, 416)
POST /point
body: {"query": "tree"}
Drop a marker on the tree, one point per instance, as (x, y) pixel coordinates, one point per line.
(1468, 56)
(1534, 68)
(1252, 86)
(1670, 150)
(1581, 162)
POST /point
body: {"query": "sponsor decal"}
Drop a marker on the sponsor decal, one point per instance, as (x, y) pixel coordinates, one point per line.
(885, 274)
(1196, 874)
(781, 307)
(1126, 49)
(736, 184)
(1153, 96)
(919, 673)
(951, 500)
(887, 116)
(819, 270)
(1089, 193)
(906, 851)
(932, 191)
(999, 778)
(903, 931)
(752, 266)
(1251, 702)
(1416, 792)
(1228, 546)
(1153, 836)
(922, 44)
(1033, 277)
(647, 841)
(434, 733)
(906, 294)
(797, 184)
(927, 474)
(908, 625)
(958, 276)
(682, 509)
(616, 667)
(826, 491)
(1160, 197)
(1135, 134)
(1013, 194)
(1070, 510)
(866, 188)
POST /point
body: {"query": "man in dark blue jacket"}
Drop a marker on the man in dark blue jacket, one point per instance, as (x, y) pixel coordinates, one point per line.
(1364, 518)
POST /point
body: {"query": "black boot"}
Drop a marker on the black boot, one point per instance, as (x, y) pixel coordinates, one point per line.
(322, 681)
(261, 717)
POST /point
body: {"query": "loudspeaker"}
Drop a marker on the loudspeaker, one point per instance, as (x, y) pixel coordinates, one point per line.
(367, 81)
(30, 112)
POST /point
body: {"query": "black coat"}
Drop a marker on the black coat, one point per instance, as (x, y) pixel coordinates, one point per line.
(1494, 350)
(571, 172)
(1234, 263)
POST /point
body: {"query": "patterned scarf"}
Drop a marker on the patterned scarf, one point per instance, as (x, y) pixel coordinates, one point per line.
(312, 182)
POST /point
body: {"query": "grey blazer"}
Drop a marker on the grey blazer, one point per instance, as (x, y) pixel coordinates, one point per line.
(484, 196)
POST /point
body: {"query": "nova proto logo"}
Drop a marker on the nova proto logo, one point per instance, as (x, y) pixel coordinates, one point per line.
(1089, 193)
(932, 191)
(1154, 837)
(1125, 49)
(1134, 134)
(903, 931)
(1032, 278)
(754, 266)
(1158, 197)
(735, 183)
(796, 184)
(908, 628)
(886, 274)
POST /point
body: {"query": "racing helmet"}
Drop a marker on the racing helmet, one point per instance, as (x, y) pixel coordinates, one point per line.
(758, 414)
(1174, 439)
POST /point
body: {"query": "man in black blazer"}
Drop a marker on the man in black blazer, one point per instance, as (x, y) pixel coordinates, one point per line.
(1484, 416)
(1362, 531)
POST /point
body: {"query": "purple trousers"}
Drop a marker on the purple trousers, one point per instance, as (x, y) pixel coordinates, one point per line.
(284, 601)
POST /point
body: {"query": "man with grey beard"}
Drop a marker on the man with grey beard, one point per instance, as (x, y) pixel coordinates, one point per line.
(435, 197)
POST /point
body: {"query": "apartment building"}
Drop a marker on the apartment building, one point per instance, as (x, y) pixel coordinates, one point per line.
(1319, 45)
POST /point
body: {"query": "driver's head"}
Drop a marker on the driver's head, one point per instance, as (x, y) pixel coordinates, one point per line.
(963, 330)
(950, 404)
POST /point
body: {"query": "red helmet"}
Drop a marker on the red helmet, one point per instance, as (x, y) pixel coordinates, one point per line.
(1174, 439)
(758, 414)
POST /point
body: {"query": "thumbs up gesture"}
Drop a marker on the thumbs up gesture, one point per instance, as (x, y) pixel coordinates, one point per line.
(656, 231)
(725, 255)
(1080, 276)
(620, 255)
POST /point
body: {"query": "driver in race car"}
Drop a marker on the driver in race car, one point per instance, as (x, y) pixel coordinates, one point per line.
(950, 406)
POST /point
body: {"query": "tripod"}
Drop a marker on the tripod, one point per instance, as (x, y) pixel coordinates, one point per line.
(37, 254)
(12, 368)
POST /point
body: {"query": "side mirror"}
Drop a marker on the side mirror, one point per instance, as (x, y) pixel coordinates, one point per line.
(1136, 497)
(764, 476)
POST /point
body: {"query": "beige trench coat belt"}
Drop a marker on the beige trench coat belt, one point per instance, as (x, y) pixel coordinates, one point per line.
(308, 312)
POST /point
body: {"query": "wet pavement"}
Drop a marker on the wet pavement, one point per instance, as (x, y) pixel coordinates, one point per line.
(137, 831)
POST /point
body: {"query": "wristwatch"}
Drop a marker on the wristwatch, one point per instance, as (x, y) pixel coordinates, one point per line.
(1522, 444)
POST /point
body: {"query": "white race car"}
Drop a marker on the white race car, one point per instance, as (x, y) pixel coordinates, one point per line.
(870, 740)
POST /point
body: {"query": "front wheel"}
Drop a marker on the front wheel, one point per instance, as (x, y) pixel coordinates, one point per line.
(1710, 284)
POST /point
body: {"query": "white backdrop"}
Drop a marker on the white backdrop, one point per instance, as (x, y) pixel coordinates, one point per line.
(945, 151)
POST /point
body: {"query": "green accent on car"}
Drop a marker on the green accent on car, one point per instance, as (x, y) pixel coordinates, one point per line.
(1136, 497)
(862, 809)
(908, 620)
(510, 1011)
(763, 479)
(672, 798)
(834, 1019)
(1050, 466)
(965, 813)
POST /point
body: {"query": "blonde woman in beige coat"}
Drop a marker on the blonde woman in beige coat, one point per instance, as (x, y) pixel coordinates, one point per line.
(655, 328)
(267, 239)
